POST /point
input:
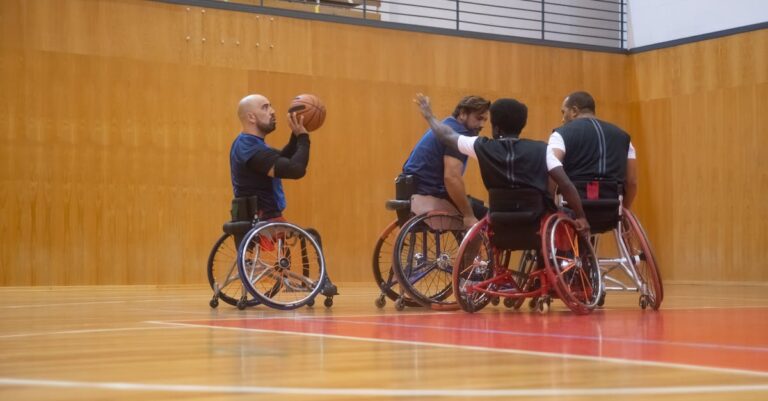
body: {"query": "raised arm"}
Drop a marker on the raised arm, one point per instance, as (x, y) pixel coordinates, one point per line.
(445, 134)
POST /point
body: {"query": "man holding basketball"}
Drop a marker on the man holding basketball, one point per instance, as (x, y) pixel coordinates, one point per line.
(257, 169)
(439, 169)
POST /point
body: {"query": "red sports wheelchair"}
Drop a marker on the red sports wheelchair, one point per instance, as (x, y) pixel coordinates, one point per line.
(556, 261)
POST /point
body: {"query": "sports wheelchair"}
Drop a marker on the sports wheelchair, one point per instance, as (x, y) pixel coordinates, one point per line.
(274, 263)
(634, 267)
(383, 255)
(556, 261)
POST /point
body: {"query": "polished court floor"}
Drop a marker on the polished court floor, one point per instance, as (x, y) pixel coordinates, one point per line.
(154, 343)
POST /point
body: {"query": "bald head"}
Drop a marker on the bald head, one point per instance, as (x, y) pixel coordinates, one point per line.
(256, 115)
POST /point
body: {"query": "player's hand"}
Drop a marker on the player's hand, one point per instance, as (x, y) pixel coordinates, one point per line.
(469, 221)
(582, 226)
(425, 107)
(297, 124)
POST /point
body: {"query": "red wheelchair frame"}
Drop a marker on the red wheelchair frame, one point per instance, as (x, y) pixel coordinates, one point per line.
(565, 267)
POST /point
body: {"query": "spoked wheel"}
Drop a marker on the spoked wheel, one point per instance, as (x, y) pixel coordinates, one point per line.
(425, 251)
(571, 264)
(224, 275)
(281, 265)
(382, 266)
(474, 264)
(642, 259)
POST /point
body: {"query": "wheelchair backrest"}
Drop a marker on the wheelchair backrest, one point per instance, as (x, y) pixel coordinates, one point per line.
(515, 214)
(244, 208)
(601, 201)
(405, 187)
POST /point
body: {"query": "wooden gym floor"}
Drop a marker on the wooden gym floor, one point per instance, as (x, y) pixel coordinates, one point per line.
(154, 343)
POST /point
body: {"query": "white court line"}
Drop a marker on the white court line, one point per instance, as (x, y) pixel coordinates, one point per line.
(83, 331)
(340, 319)
(384, 392)
(67, 304)
(556, 335)
(710, 369)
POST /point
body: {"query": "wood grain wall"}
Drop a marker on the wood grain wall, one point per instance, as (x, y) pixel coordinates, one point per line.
(117, 116)
(700, 113)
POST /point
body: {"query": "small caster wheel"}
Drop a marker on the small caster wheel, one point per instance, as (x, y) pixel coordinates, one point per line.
(380, 302)
(399, 304)
(601, 301)
(311, 302)
(542, 306)
(241, 304)
(644, 302)
(509, 302)
(328, 302)
(214, 303)
(518, 303)
(532, 304)
(495, 301)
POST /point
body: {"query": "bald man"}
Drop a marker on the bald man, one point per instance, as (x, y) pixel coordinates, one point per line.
(258, 169)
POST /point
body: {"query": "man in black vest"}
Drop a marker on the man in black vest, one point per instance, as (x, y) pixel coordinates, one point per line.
(589, 149)
(506, 160)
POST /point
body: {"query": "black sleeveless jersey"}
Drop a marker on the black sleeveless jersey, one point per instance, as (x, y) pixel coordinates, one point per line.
(594, 149)
(510, 162)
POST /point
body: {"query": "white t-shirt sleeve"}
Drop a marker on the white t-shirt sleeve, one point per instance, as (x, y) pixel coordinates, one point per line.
(466, 145)
(555, 142)
(631, 154)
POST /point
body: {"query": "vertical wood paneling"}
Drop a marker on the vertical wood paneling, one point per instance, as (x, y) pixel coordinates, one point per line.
(117, 118)
(699, 126)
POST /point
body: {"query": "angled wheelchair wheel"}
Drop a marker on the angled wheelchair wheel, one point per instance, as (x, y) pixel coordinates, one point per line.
(281, 265)
(382, 265)
(223, 274)
(571, 264)
(474, 264)
(424, 254)
(642, 259)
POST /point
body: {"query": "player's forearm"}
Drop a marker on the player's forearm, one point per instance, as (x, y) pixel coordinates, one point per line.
(458, 194)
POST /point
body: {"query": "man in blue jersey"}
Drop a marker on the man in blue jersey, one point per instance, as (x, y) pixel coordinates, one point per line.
(258, 169)
(439, 169)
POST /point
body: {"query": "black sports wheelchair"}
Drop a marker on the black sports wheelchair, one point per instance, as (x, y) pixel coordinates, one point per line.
(277, 264)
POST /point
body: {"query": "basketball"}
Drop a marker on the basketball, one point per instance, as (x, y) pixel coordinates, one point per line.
(311, 108)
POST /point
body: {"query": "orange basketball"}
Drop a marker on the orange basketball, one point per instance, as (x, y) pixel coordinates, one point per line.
(311, 108)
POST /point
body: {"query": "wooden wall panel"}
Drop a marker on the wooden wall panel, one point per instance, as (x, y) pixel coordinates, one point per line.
(117, 119)
(699, 118)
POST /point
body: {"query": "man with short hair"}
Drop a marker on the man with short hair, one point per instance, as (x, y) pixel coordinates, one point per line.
(506, 160)
(439, 169)
(591, 149)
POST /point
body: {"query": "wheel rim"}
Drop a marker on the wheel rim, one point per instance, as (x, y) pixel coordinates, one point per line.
(572, 265)
(282, 265)
(642, 258)
(424, 257)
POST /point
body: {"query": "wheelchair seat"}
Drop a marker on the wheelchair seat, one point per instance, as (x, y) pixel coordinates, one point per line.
(243, 215)
(515, 215)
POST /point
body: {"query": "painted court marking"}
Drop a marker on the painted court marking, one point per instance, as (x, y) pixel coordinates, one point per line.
(381, 392)
(486, 349)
